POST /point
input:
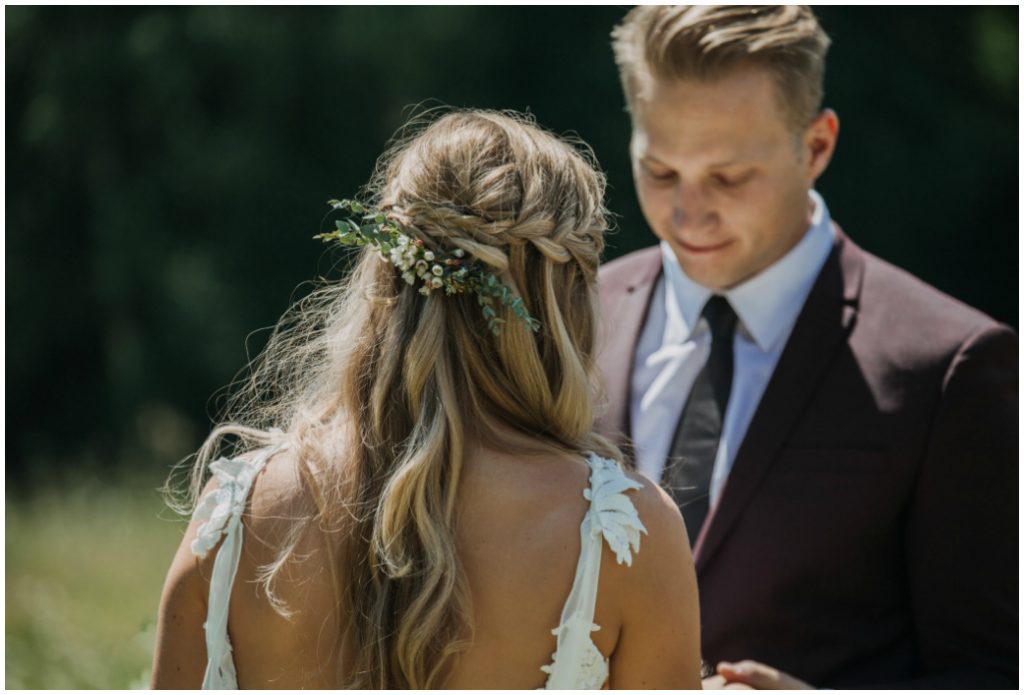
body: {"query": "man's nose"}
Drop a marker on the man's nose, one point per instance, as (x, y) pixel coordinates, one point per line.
(691, 206)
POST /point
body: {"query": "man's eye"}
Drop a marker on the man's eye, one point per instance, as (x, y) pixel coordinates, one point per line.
(660, 175)
(730, 182)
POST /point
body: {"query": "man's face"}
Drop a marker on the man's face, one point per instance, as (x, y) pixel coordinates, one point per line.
(722, 176)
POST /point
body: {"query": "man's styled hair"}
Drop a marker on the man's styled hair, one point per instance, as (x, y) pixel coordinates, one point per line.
(695, 42)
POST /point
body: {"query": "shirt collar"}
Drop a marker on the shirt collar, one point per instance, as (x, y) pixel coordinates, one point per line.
(766, 304)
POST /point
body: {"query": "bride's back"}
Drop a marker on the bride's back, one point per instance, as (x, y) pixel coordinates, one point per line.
(518, 541)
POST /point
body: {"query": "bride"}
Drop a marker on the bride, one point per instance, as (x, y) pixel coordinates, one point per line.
(413, 496)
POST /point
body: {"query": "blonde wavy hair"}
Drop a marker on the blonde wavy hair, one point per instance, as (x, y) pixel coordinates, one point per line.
(380, 389)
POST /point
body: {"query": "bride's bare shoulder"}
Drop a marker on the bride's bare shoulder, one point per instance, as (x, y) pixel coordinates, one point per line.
(282, 501)
(656, 508)
(282, 488)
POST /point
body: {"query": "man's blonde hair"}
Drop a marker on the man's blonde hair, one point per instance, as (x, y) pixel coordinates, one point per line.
(699, 42)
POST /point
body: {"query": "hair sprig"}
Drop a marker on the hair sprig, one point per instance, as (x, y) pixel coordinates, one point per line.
(450, 271)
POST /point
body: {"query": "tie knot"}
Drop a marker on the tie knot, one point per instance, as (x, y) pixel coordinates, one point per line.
(720, 317)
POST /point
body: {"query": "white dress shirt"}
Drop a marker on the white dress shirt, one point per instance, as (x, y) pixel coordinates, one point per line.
(675, 343)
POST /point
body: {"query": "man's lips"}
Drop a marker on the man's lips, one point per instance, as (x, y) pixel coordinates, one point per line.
(703, 248)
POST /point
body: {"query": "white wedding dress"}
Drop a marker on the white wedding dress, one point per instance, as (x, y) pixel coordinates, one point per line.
(576, 663)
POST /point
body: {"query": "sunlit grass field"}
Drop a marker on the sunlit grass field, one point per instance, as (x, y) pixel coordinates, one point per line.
(84, 569)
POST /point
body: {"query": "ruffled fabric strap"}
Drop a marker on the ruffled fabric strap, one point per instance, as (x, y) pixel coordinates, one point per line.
(612, 517)
(221, 510)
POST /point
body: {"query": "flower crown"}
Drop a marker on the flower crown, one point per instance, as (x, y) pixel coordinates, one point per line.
(436, 269)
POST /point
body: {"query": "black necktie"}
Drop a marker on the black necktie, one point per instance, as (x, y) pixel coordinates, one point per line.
(691, 457)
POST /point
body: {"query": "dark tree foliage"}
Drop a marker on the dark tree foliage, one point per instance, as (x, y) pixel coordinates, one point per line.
(167, 168)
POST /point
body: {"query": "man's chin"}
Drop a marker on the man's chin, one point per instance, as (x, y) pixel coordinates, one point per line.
(715, 279)
(716, 270)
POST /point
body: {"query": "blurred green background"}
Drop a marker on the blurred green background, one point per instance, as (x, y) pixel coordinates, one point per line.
(166, 168)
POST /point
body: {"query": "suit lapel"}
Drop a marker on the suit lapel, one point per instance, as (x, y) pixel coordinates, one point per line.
(625, 299)
(823, 324)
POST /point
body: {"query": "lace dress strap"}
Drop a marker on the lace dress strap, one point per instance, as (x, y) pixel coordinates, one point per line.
(221, 510)
(577, 663)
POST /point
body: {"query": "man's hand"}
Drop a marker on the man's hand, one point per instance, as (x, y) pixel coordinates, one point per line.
(752, 675)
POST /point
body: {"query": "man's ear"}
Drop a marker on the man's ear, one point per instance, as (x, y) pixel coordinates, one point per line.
(819, 142)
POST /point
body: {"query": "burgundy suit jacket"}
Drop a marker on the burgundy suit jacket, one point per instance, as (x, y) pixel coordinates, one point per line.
(867, 533)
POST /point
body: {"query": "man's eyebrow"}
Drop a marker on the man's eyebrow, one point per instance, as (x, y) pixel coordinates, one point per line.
(652, 159)
(724, 164)
(735, 161)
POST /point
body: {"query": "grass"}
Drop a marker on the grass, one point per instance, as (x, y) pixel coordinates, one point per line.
(84, 570)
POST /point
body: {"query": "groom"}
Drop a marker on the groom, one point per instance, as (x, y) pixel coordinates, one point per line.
(840, 437)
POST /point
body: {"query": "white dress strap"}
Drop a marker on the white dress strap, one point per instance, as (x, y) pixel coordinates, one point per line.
(221, 511)
(577, 663)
